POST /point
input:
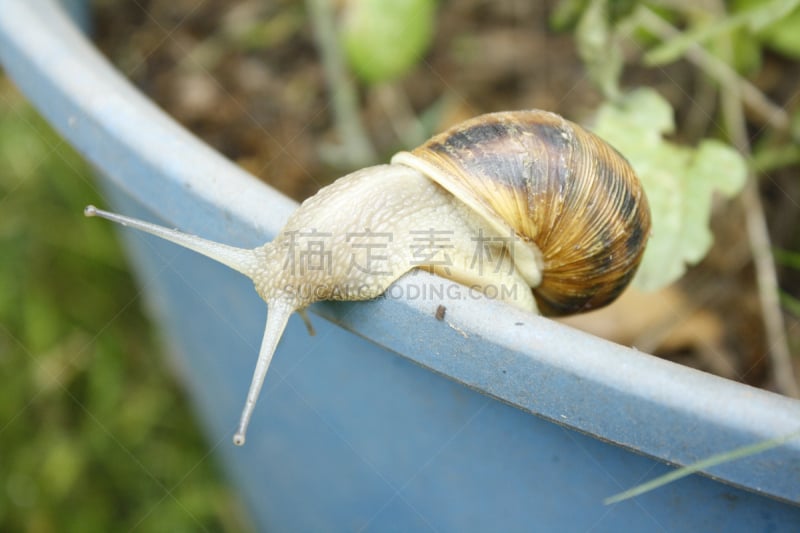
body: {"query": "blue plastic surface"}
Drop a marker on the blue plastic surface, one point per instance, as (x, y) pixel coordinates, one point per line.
(390, 419)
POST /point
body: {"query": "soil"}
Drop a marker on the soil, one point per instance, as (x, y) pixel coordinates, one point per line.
(246, 77)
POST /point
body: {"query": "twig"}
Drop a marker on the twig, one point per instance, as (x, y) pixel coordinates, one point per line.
(358, 151)
(406, 125)
(755, 100)
(735, 93)
(761, 248)
(782, 370)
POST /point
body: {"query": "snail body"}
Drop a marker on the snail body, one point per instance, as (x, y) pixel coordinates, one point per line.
(523, 200)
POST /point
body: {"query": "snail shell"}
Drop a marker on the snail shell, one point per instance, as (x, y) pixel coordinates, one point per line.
(556, 186)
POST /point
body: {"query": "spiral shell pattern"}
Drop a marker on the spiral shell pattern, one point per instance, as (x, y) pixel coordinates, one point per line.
(556, 185)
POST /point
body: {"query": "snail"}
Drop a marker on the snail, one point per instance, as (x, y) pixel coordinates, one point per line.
(523, 200)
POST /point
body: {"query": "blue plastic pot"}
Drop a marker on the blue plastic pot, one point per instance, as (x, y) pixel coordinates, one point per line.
(389, 419)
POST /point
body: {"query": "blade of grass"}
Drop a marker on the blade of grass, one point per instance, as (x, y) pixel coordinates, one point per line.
(714, 460)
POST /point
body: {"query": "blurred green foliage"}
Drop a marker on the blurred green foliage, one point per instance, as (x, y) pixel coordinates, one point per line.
(724, 43)
(383, 39)
(94, 434)
(789, 259)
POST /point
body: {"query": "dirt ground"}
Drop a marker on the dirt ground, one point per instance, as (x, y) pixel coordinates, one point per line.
(246, 77)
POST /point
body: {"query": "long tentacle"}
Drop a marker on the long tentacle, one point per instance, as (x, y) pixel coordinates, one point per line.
(278, 313)
(242, 260)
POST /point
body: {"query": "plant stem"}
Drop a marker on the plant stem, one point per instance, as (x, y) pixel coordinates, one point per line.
(735, 93)
(768, 290)
(358, 150)
(760, 246)
(757, 102)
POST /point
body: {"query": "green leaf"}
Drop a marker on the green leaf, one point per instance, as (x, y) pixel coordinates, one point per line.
(679, 182)
(767, 13)
(787, 258)
(383, 39)
(784, 36)
(791, 303)
(758, 16)
(566, 13)
(781, 33)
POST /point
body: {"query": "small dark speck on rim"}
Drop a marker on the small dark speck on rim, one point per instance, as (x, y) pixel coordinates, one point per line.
(440, 311)
(518, 324)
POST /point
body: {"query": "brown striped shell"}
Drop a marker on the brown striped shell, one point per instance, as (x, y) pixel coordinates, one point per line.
(558, 186)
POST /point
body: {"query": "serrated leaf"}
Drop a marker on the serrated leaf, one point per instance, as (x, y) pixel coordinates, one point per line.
(713, 166)
(679, 182)
(642, 112)
(384, 38)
